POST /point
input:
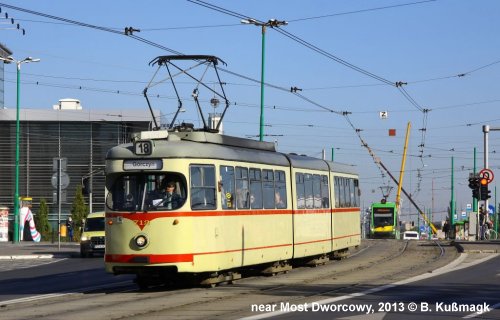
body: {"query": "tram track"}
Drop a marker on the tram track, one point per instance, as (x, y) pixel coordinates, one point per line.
(374, 263)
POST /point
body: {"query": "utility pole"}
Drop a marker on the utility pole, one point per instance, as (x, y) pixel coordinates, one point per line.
(15, 237)
(497, 215)
(486, 130)
(271, 23)
(452, 201)
(432, 197)
(474, 200)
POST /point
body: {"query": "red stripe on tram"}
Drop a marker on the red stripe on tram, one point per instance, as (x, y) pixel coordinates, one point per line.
(148, 258)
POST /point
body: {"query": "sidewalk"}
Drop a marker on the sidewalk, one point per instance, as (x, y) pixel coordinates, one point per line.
(38, 250)
(482, 246)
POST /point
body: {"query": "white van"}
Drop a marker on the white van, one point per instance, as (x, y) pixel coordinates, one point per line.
(410, 235)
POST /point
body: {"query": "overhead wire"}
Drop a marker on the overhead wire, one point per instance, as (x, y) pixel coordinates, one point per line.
(225, 11)
(360, 11)
(283, 32)
(333, 57)
(222, 10)
(479, 68)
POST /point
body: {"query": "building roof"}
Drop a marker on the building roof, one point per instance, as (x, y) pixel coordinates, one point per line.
(111, 115)
(4, 51)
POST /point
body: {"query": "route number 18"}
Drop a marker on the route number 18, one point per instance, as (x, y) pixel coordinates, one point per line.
(143, 147)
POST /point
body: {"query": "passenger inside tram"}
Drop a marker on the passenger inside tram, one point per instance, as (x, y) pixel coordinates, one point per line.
(278, 200)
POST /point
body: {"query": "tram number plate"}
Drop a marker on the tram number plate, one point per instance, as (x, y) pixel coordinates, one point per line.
(143, 147)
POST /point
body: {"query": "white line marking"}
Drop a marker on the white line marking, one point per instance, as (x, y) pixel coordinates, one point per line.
(475, 314)
(448, 268)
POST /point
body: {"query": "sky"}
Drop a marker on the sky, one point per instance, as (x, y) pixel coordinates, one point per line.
(444, 53)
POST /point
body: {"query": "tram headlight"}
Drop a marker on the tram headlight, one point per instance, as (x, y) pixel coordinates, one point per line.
(141, 241)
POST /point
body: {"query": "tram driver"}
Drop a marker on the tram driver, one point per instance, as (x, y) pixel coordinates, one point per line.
(168, 198)
(171, 199)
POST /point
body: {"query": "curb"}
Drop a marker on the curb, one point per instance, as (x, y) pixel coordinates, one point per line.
(27, 257)
(37, 256)
(477, 247)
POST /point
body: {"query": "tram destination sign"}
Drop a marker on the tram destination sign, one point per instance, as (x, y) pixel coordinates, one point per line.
(143, 164)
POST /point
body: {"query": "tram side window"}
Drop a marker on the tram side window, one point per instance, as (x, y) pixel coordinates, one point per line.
(337, 192)
(308, 183)
(300, 186)
(268, 185)
(202, 187)
(325, 193)
(356, 193)
(242, 190)
(255, 189)
(352, 199)
(280, 189)
(317, 191)
(227, 187)
(344, 192)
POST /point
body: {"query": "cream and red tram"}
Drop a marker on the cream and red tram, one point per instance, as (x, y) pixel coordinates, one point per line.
(241, 204)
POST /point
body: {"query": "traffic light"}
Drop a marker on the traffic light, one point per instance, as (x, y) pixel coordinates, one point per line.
(473, 182)
(474, 185)
(484, 192)
(86, 186)
(475, 193)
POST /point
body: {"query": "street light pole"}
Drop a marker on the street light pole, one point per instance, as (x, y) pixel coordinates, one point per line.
(271, 23)
(261, 126)
(18, 63)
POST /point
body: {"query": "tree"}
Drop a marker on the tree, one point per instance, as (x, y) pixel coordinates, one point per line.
(78, 212)
(42, 220)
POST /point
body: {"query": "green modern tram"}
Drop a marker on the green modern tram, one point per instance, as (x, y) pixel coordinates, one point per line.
(384, 220)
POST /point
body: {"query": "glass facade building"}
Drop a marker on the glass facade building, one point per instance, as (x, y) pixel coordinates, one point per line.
(4, 53)
(81, 137)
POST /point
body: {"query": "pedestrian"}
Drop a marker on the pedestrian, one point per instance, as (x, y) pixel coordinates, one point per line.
(70, 227)
(446, 229)
(482, 221)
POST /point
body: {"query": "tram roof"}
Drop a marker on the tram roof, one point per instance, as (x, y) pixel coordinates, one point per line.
(306, 162)
(199, 144)
(196, 145)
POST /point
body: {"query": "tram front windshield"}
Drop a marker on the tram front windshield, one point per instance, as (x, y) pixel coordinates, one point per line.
(146, 192)
(383, 217)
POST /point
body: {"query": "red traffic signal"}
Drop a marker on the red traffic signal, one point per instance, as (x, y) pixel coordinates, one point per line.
(483, 181)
